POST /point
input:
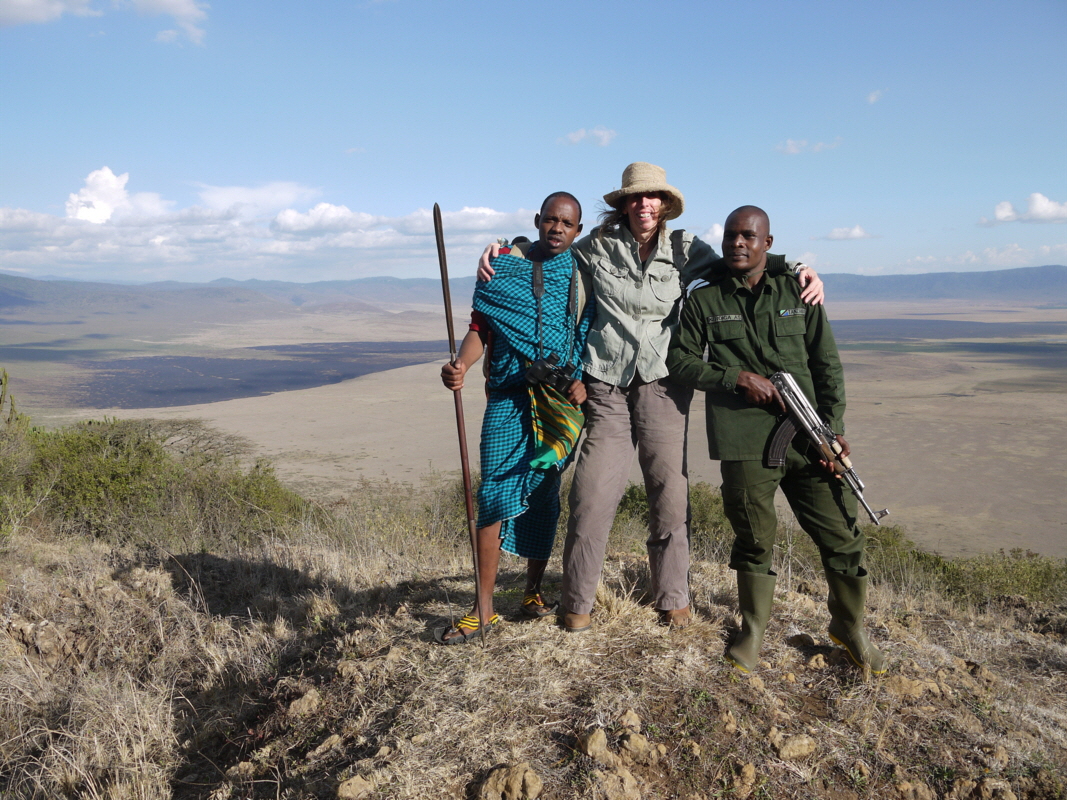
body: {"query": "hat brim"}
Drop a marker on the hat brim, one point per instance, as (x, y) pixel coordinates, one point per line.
(642, 187)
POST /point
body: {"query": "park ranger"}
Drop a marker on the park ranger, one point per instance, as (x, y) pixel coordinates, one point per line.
(754, 324)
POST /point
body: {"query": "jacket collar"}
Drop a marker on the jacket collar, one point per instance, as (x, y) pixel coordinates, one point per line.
(739, 285)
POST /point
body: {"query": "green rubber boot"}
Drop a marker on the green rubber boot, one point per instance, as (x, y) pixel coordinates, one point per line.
(846, 600)
(755, 596)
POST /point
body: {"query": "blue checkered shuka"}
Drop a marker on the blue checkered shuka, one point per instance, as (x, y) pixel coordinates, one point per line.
(525, 500)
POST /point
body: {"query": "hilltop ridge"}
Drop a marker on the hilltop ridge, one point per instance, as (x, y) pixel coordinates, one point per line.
(1047, 284)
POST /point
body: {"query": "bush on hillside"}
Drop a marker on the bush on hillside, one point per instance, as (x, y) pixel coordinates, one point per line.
(16, 454)
(99, 477)
(135, 480)
(891, 556)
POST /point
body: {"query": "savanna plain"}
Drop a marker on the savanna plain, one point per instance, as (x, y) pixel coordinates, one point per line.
(244, 607)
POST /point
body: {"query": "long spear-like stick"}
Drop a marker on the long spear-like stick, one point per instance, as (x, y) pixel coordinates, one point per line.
(462, 428)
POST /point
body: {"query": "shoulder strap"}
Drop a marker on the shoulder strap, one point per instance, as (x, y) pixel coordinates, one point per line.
(583, 285)
(677, 249)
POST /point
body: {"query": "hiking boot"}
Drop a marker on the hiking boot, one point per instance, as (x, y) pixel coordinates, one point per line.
(678, 618)
(755, 596)
(846, 599)
(575, 623)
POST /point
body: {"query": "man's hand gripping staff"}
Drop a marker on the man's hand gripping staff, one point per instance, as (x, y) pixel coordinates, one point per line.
(801, 416)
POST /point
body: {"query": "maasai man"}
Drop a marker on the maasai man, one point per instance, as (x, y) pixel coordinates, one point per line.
(530, 315)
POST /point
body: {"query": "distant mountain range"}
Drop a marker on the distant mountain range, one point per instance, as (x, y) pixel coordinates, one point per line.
(1039, 285)
(1045, 286)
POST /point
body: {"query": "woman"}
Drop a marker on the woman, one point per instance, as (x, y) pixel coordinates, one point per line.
(638, 268)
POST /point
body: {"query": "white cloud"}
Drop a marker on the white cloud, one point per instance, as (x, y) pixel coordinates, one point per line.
(1038, 209)
(21, 12)
(238, 232)
(1006, 257)
(794, 147)
(1013, 255)
(599, 135)
(809, 258)
(97, 200)
(840, 234)
(187, 14)
(1053, 251)
(818, 147)
(253, 201)
(713, 235)
(875, 96)
(324, 221)
(104, 195)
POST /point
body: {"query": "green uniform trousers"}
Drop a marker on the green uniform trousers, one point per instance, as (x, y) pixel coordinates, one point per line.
(823, 505)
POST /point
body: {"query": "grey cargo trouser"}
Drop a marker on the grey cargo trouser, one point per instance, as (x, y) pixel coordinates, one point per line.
(652, 417)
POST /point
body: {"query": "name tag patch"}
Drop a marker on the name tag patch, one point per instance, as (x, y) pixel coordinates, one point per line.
(792, 312)
(725, 318)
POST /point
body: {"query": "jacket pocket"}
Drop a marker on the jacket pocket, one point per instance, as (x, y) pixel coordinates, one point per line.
(666, 286)
(725, 327)
(608, 278)
(789, 339)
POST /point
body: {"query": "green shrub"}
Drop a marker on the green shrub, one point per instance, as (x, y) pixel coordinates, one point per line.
(172, 484)
(16, 455)
(974, 579)
(997, 576)
(634, 503)
(221, 504)
(97, 477)
(711, 531)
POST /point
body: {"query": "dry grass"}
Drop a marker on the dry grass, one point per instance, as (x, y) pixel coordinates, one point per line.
(285, 666)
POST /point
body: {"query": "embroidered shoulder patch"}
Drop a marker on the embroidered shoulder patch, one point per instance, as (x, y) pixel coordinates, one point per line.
(725, 318)
(792, 312)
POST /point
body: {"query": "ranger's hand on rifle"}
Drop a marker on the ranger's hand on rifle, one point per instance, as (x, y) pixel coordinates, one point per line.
(758, 390)
(845, 450)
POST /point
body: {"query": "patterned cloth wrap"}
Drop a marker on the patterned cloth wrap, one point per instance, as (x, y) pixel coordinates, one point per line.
(524, 498)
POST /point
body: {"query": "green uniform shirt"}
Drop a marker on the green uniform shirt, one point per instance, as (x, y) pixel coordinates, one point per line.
(635, 300)
(763, 331)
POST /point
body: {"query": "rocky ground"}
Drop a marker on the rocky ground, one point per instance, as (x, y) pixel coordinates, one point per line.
(303, 672)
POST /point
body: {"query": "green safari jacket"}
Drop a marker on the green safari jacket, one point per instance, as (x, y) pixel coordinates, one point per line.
(762, 331)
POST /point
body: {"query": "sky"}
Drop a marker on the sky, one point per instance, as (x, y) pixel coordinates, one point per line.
(145, 140)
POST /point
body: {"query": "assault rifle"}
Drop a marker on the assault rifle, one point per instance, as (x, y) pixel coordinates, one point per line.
(802, 416)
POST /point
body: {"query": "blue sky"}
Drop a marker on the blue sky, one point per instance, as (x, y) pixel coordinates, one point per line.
(176, 139)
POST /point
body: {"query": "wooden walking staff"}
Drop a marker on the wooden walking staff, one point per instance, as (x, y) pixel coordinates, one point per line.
(462, 428)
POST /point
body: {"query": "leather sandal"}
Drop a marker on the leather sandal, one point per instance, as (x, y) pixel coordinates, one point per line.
(534, 606)
(463, 631)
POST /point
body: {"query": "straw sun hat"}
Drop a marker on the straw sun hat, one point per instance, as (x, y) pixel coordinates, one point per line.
(642, 177)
